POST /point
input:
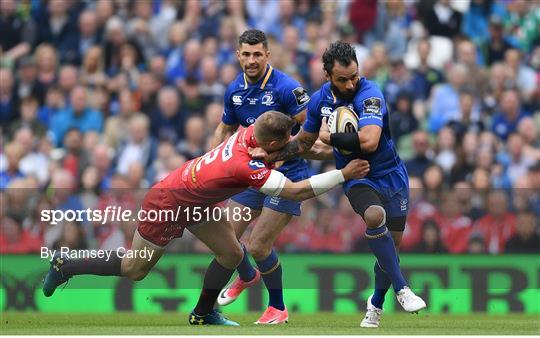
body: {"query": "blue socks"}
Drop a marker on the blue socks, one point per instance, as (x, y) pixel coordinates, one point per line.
(382, 284)
(271, 272)
(246, 271)
(382, 246)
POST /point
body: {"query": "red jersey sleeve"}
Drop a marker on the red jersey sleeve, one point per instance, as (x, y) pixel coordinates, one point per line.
(254, 173)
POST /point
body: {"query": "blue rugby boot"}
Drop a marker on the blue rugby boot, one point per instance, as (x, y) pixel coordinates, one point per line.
(55, 277)
(213, 318)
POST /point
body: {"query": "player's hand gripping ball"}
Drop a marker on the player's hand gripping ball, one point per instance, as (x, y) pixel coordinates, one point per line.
(343, 120)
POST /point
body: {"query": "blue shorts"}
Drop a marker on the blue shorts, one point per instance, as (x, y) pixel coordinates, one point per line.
(256, 200)
(393, 190)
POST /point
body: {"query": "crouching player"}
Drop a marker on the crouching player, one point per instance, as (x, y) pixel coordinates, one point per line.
(202, 182)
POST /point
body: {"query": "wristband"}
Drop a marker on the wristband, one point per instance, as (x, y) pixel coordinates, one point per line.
(346, 141)
(321, 183)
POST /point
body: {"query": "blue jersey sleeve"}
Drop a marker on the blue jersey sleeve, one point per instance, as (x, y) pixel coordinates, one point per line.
(370, 108)
(229, 115)
(313, 119)
(294, 96)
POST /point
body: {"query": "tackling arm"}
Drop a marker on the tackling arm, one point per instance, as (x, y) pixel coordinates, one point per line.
(278, 185)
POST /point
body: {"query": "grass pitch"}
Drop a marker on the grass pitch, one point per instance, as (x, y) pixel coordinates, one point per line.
(31, 323)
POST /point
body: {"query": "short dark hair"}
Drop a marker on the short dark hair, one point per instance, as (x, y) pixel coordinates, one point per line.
(273, 125)
(339, 51)
(253, 37)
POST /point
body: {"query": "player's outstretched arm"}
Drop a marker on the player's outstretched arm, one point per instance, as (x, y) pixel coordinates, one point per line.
(301, 143)
(278, 185)
(319, 151)
(222, 132)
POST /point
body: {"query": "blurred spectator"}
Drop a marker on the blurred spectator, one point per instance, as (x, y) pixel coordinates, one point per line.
(468, 118)
(443, 20)
(26, 84)
(526, 238)
(210, 88)
(75, 158)
(526, 78)
(101, 159)
(476, 244)
(72, 237)
(193, 145)
(54, 103)
(496, 44)
(57, 28)
(17, 35)
(117, 127)
(465, 158)
(455, 226)
(523, 23)
(445, 99)
(431, 239)
(78, 115)
(476, 73)
(139, 148)
(47, 62)
(498, 225)
(445, 156)
(28, 118)
(92, 72)
(8, 101)
(33, 163)
(399, 81)
(529, 133)
(507, 119)
(89, 33)
(419, 211)
(423, 155)
(16, 240)
(14, 153)
(168, 121)
(402, 120)
(433, 180)
(425, 76)
(518, 162)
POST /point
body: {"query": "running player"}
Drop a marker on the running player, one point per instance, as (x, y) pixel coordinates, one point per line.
(202, 182)
(257, 89)
(382, 197)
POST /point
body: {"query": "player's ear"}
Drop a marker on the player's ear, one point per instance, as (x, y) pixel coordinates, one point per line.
(326, 75)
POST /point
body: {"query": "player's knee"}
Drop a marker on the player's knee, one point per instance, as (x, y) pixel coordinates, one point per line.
(232, 258)
(259, 250)
(375, 216)
(132, 271)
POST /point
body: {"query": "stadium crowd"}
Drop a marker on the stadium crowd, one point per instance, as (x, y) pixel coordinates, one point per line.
(101, 99)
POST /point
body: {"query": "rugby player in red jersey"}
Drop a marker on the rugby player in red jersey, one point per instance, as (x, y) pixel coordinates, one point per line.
(201, 183)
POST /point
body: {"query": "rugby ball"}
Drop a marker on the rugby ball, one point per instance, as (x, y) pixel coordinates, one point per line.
(343, 120)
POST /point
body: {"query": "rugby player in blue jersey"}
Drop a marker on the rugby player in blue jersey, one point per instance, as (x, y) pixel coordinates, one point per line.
(381, 198)
(260, 88)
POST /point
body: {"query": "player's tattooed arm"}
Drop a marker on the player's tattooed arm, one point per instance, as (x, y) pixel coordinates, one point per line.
(301, 143)
(222, 132)
(319, 151)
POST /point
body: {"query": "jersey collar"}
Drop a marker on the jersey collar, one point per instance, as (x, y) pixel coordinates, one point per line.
(264, 79)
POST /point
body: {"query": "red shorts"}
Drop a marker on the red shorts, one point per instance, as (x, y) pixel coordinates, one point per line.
(161, 230)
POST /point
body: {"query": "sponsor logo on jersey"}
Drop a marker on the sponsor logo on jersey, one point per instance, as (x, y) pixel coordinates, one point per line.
(268, 99)
(227, 153)
(237, 100)
(301, 96)
(250, 120)
(372, 106)
(326, 111)
(256, 164)
(259, 175)
(252, 100)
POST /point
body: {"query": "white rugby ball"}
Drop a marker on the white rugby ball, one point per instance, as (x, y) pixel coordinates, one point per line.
(343, 120)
